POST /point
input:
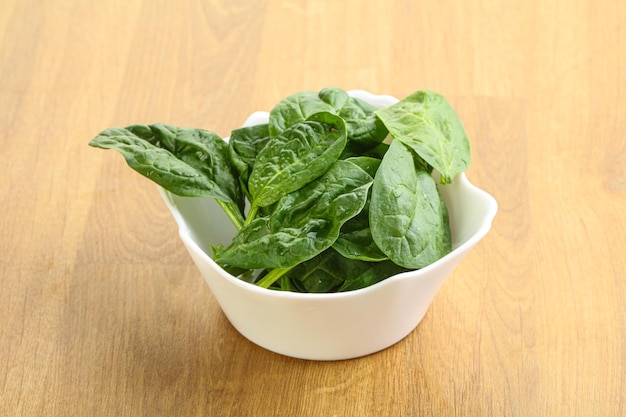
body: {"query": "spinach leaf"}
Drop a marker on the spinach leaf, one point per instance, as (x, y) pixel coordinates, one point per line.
(362, 126)
(408, 219)
(294, 158)
(355, 239)
(186, 162)
(331, 272)
(353, 150)
(326, 272)
(303, 224)
(367, 163)
(244, 145)
(376, 272)
(294, 109)
(426, 122)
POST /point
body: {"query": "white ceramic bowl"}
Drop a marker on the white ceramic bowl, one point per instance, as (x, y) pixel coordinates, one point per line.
(338, 325)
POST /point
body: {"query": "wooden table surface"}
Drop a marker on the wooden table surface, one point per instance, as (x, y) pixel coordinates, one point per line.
(102, 312)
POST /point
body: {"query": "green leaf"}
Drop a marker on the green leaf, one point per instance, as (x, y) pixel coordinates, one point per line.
(376, 272)
(296, 157)
(186, 162)
(331, 272)
(326, 272)
(363, 128)
(303, 223)
(367, 163)
(408, 218)
(427, 123)
(355, 240)
(294, 109)
(244, 145)
(247, 142)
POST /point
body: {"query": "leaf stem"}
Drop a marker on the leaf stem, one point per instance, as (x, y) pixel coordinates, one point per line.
(285, 283)
(233, 213)
(272, 277)
(251, 214)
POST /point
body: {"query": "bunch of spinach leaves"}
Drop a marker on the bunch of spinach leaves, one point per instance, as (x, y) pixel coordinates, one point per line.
(340, 195)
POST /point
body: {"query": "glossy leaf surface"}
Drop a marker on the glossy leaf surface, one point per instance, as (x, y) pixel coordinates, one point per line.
(303, 223)
(427, 123)
(186, 162)
(296, 157)
(408, 219)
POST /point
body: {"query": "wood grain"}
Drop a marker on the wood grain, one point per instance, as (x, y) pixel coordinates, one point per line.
(102, 312)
